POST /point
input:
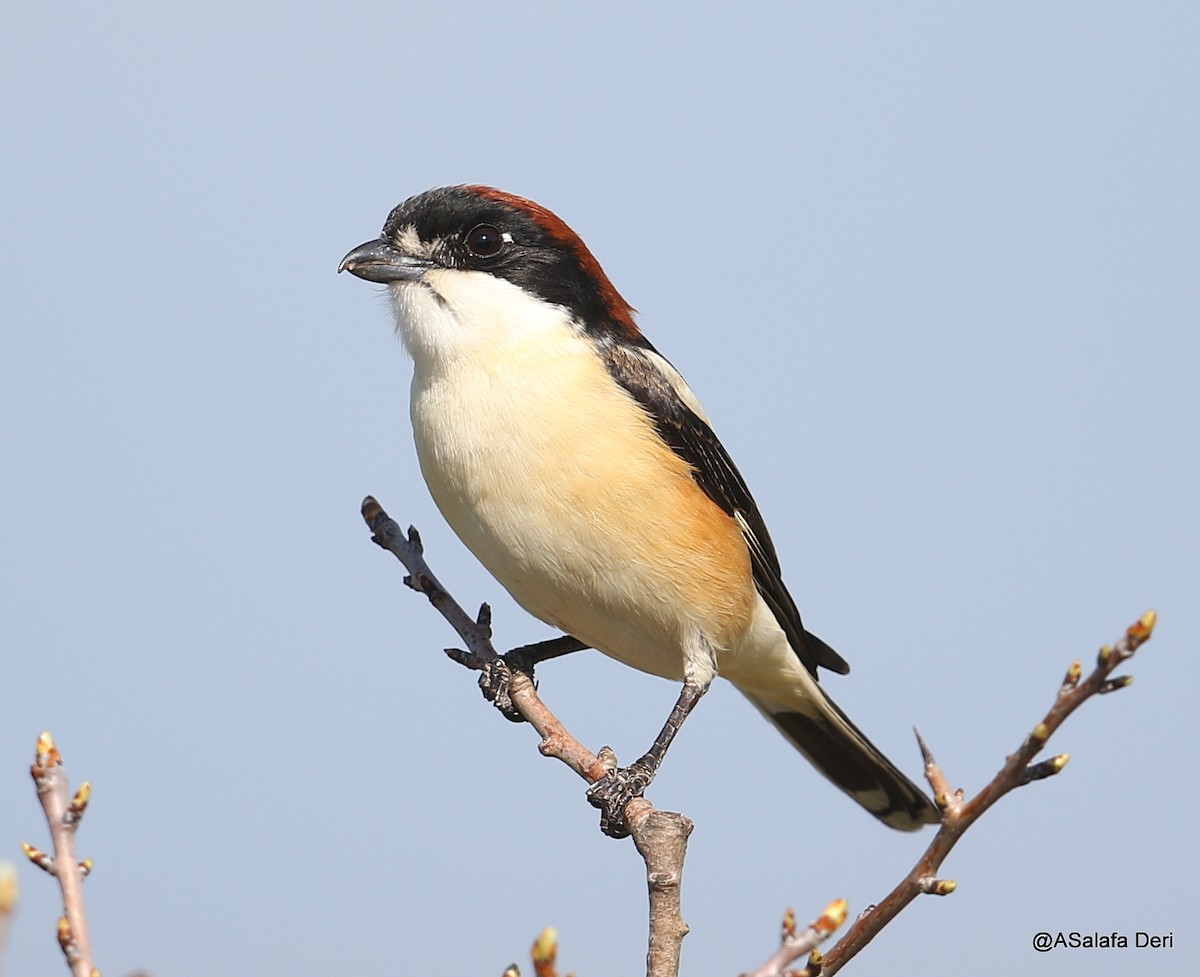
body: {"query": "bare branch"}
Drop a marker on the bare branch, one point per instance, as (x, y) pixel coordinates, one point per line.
(660, 836)
(63, 815)
(959, 814)
(795, 945)
(661, 839)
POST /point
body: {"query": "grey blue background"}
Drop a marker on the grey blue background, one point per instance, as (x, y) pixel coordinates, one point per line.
(932, 268)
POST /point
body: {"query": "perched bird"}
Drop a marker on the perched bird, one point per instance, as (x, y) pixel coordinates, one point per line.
(577, 465)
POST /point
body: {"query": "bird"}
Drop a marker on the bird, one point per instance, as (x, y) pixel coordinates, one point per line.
(577, 465)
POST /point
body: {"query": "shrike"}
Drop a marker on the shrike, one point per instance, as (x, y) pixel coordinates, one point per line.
(577, 465)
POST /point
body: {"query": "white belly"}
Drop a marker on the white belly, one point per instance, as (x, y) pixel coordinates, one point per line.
(543, 509)
(556, 480)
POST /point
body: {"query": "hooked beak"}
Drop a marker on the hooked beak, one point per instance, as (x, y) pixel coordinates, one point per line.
(381, 261)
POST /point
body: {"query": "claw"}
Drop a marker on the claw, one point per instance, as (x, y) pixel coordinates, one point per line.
(494, 682)
(615, 790)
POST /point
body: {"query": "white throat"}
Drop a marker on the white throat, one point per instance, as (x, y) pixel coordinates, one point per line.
(467, 318)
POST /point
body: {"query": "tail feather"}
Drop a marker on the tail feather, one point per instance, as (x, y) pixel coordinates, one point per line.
(840, 751)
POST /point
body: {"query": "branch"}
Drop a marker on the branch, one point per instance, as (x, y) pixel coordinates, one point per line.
(660, 836)
(63, 814)
(959, 814)
(794, 945)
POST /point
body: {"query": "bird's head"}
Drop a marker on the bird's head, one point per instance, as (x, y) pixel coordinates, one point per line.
(497, 264)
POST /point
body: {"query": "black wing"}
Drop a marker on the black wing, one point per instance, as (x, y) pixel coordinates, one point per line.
(640, 370)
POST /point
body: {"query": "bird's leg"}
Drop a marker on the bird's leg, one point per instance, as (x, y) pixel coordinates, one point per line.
(497, 674)
(618, 787)
(524, 658)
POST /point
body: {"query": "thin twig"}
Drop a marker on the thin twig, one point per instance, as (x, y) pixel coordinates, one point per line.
(959, 814)
(793, 945)
(660, 836)
(63, 814)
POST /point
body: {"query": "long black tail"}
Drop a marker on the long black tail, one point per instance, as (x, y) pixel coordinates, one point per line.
(838, 748)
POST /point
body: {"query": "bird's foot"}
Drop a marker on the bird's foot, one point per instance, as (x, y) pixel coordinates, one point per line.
(497, 674)
(616, 789)
(496, 680)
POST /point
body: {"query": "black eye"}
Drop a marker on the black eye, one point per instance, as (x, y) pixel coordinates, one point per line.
(484, 241)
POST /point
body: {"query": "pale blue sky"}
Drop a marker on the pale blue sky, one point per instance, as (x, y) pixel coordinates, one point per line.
(933, 272)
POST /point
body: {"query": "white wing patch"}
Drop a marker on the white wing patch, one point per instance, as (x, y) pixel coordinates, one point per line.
(677, 382)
